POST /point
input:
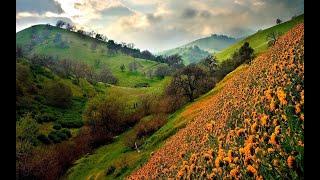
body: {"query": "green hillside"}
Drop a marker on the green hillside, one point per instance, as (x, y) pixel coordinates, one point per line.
(200, 48)
(258, 41)
(60, 43)
(189, 55)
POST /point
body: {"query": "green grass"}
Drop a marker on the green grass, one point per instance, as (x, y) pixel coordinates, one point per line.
(80, 50)
(258, 41)
(95, 165)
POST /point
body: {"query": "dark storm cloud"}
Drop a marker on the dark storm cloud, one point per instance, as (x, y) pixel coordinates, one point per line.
(38, 6)
(189, 13)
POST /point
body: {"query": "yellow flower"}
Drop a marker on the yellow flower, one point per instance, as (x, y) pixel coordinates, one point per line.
(234, 172)
(251, 169)
(272, 105)
(270, 150)
(267, 93)
(217, 162)
(284, 117)
(273, 139)
(264, 119)
(277, 130)
(281, 96)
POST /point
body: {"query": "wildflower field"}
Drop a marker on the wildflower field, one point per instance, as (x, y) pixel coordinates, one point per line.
(253, 128)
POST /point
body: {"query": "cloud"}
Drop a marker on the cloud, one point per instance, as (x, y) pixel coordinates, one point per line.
(117, 11)
(189, 13)
(38, 6)
(163, 24)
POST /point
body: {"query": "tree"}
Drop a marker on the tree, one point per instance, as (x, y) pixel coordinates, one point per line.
(58, 94)
(245, 53)
(27, 129)
(60, 23)
(19, 51)
(272, 38)
(278, 21)
(133, 66)
(99, 37)
(190, 82)
(70, 27)
(122, 67)
(175, 61)
(106, 76)
(162, 71)
(211, 63)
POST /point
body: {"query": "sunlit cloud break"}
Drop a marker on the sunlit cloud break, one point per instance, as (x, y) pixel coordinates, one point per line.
(159, 24)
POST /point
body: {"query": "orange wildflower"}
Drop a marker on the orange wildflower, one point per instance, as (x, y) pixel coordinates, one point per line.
(234, 172)
(273, 139)
(251, 169)
(281, 96)
(290, 161)
(297, 108)
(264, 119)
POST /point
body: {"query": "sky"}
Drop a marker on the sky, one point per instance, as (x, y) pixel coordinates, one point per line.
(158, 25)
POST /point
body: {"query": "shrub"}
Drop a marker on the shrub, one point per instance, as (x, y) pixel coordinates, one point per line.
(27, 129)
(61, 135)
(142, 85)
(46, 117)
(57, 126)
(67, 132)
(44, 139)
(71, 123)
(144, 129)
(53, 136)
(110, 170)
(58, 94)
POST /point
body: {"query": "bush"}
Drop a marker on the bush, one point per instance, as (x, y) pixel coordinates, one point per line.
(57, 126)
(46, 117)
(44, 139)
(53, 136)
(144, 129)
(61, 135)
(71, 123)
(67, 132)
(142, 85)
(58, 94)
(110, 170)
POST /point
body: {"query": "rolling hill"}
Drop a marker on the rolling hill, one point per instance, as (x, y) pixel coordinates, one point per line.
(258, 41)
(61, 43)
(251, 127)
(199, 135)
(201, 48)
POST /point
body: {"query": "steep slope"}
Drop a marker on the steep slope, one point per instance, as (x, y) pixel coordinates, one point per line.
(258, 41)
(200, 48)
(253, 127)
(60, 43)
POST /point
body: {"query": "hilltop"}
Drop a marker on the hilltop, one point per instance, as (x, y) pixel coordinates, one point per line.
(250, 126)
(258, 41)
(201, 48)
(63, 44)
